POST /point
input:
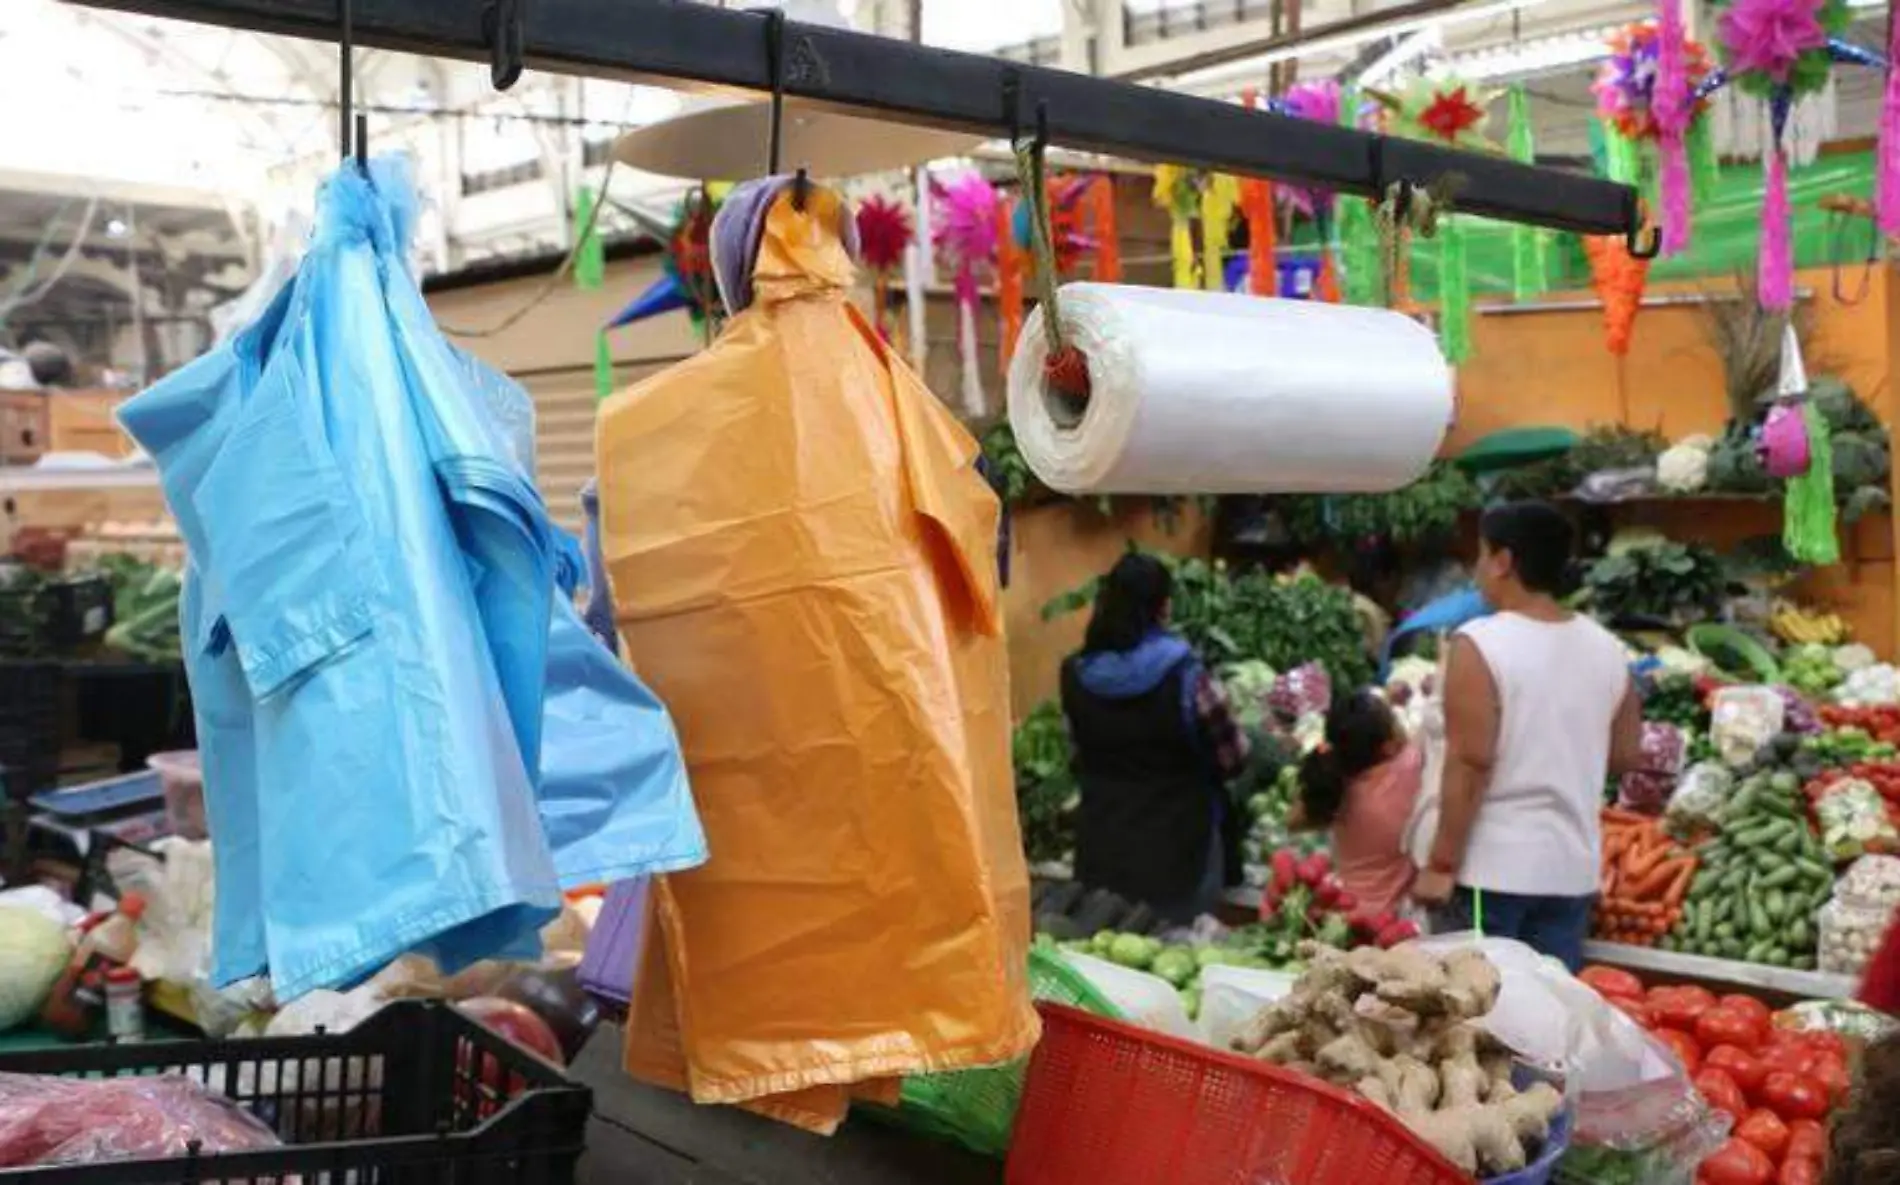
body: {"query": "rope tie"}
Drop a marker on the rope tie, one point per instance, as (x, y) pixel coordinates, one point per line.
(1066, 369)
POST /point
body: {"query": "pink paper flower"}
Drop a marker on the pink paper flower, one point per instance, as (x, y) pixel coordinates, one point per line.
(1769, 36)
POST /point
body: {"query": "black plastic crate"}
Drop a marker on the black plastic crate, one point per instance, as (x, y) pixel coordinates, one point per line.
(416, 1095)
(40, 616)
(31, 698)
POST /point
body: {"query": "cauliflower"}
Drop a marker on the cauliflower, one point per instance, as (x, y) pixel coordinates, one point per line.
(1684, 468)
(1854, 657)
(1869, 687)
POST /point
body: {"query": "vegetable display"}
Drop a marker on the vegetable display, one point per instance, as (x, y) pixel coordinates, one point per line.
(1397, 1027)
(1762, 878)
(1777, 1083)
(1046, 792)
(1645, 882)
(1284, 621)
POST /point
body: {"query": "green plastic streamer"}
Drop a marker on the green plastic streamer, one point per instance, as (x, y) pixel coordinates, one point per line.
(1527, 242)
(1359, 242)
(603, 366)
(1358, 236)
(1705, 171)
(590, 262)
(1454, 290)
(1619, 158)
(1807, 525)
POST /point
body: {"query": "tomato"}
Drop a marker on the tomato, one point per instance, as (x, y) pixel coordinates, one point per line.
(1612, 983)
(1794, 1096)
(1830, 1070)
(1795, 1057)
(1764, 1129)
(1637, 1010)
(1721, 1092)
(1749, 1006)
(1800, 1170)
(1737, 1162)
(1725, 1026)
(1684, 1047)
(1744, 1067)
(1680, 1007)
(1807, 1140)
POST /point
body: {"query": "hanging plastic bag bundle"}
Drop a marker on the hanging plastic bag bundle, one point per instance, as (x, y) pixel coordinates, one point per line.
(371, 619)
(803, 561)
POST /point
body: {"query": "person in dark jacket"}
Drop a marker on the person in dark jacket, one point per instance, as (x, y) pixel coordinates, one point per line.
(1154, 747)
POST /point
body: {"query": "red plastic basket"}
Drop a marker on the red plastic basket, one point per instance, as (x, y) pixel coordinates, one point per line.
(1110, 1104)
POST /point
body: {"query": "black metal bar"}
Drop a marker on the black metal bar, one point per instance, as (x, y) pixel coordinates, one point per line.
(656, 40)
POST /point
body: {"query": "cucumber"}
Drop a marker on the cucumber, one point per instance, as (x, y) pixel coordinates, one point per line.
(1800, 934)
(1813, 869)
(1783, 876)
(1802, 962)
(1733, 879)
(1789, 843)
(1778, 957)
(1725, 931)
(1704, 921)
(1758, 953)
(1759, 923)
(1776, 904)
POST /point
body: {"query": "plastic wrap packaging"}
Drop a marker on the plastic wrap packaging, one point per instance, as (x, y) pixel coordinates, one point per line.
(1742, 721)
(1649, 788)
(803, 564)
(1853, 820)
(67, 1121)
(1301, 692)
(1221, 393)
(1698, 795)
(1855, 921)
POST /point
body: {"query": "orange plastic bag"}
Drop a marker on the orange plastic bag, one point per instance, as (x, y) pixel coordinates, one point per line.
(803, 564)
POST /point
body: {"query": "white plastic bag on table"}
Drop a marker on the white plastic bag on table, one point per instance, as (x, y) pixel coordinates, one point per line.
(1147, 1001)
(1630, 1095)
(1232, 996)
(1742, 720)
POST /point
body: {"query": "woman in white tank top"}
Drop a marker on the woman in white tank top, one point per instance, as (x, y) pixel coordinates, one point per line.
(1539, 711)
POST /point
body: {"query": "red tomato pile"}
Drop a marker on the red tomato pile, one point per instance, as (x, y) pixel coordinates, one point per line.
(1881, 722)
(1777, 1085)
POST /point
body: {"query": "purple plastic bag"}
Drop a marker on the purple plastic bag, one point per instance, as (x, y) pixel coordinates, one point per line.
(613, 951)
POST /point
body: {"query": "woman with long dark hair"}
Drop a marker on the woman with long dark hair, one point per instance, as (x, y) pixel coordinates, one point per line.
(1360, 787)
(1154, 748)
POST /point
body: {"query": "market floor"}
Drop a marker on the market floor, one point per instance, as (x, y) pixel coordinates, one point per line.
(644, 1136)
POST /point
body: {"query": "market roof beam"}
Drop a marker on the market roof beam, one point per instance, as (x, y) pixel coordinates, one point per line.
(657, 40)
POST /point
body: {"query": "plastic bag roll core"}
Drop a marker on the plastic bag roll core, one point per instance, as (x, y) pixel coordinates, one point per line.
(1224, 393)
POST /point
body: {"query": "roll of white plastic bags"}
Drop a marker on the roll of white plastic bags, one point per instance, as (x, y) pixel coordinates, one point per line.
(1217, 393)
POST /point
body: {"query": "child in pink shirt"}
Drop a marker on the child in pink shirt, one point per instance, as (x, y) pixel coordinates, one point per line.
(1361, 784)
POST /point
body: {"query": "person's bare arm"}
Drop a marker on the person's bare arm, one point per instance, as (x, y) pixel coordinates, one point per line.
(1471, 742)
(1626, 735)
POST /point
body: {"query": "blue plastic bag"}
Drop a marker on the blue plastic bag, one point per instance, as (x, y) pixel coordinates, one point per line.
(381, 659)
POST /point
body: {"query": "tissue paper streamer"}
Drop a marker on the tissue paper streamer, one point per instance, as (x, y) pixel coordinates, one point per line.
(1221, 393)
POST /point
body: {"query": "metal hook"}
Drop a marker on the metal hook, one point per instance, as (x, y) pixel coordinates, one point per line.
(1013, 104)
(775, 73)
(504, 28)
(1633, 222)
(346, 79)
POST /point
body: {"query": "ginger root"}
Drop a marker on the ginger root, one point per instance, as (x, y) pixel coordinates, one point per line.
(1472, 984)
(1531, 1112)
(1348, 1056)
(1463, 1081)
(1375, 1090)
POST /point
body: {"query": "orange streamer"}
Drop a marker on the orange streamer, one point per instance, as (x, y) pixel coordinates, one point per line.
(1326, 288)
(1619, 280)
(1009, 281)
(1108, 247)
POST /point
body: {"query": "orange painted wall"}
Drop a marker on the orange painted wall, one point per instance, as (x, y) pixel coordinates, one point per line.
(1551, 368)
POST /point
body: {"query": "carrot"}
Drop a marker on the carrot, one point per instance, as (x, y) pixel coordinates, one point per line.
(1678, 888)
(1640, 861)
(1652, 882)
(1620, 817)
